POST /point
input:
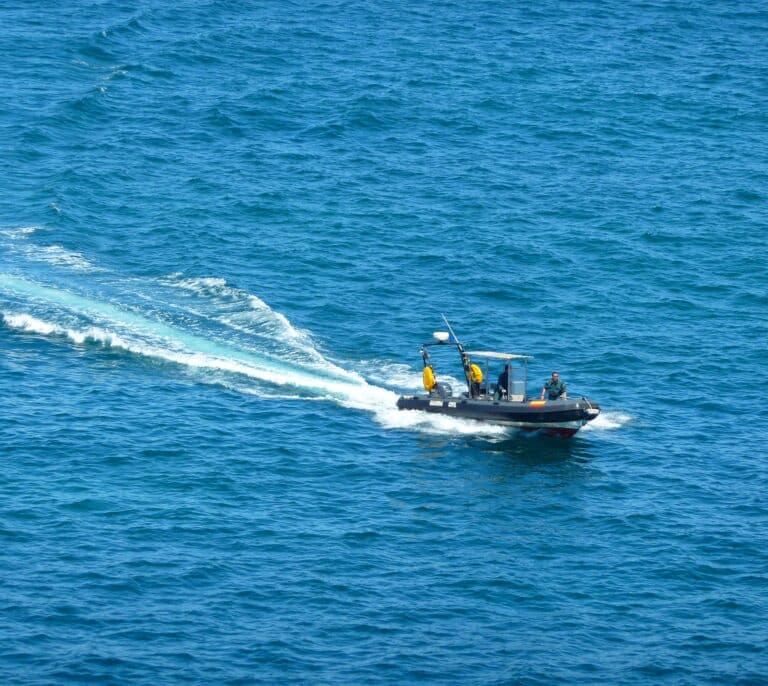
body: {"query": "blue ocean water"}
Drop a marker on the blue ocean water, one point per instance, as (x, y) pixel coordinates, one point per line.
(225, 229)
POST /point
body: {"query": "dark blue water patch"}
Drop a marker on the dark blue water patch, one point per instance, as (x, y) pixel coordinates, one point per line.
(749, 195)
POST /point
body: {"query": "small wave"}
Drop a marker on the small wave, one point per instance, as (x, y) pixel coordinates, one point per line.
(25, 322)
(55, 254)
(244, 311)
(30, 324)
(200, 285)
(176, 349)
(609, 421)
(20, 233)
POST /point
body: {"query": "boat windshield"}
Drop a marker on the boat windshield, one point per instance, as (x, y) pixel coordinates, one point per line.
(505, 375)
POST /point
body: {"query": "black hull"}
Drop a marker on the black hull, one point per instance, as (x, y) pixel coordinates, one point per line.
(557, 417)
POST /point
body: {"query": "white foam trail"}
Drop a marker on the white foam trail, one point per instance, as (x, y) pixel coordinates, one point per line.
(118, 328)
(198, 285)
(414, 420)
(254, 310)
(29, 324)
(392, 374)
(50, 254)
(55, 254)
(246, 313)
(359, 394)
(203, 360)
(25, 322)
(20, 233)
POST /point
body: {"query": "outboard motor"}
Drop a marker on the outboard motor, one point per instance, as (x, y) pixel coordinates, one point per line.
(442, 390)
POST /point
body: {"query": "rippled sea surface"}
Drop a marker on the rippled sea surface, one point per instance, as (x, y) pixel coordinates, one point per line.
(225, 229)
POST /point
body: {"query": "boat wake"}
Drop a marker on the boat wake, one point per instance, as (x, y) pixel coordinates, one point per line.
(608, 421)
(206, 328)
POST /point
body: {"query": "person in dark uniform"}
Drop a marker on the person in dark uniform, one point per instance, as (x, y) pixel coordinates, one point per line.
(554, 389)
(503, 382)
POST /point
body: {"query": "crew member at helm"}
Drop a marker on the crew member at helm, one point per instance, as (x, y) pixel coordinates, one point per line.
(554, 388)
(503, 382)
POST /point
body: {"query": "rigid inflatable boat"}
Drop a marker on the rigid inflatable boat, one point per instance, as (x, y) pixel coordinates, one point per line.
(506, 402)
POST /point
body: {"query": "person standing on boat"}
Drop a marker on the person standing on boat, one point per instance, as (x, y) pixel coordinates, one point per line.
(502, 385)
(554, 389)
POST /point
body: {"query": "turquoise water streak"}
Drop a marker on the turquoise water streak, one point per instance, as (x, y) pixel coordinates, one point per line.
(225, 229)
